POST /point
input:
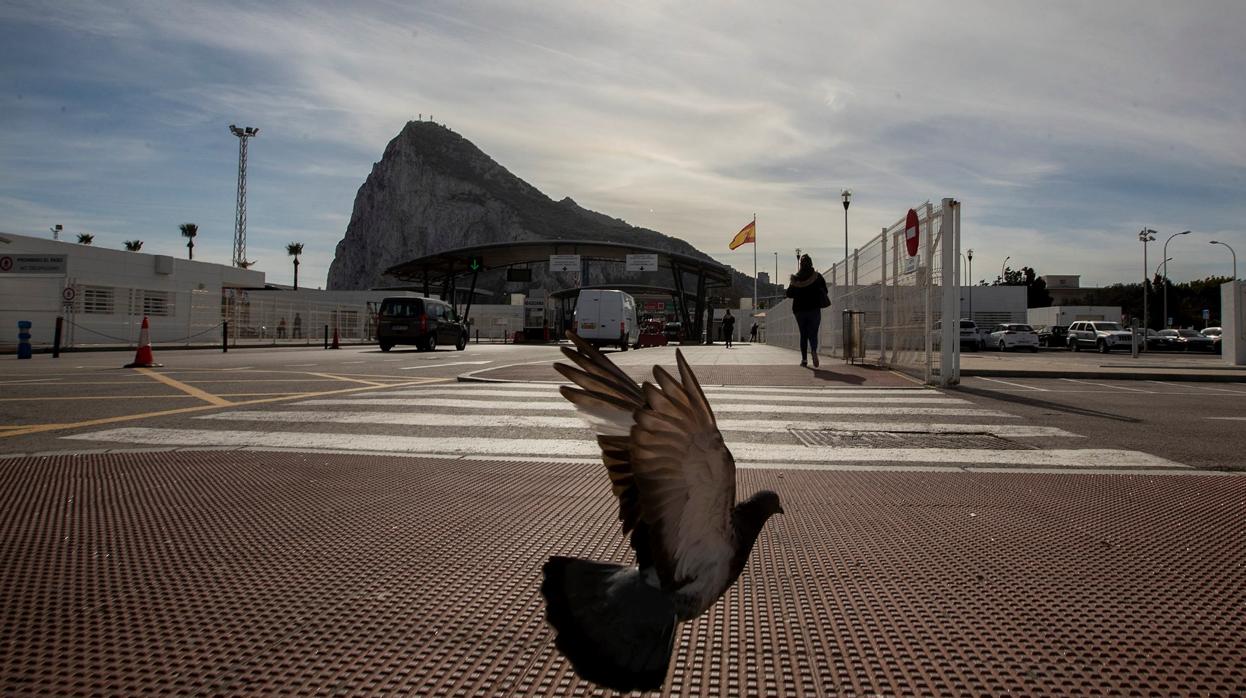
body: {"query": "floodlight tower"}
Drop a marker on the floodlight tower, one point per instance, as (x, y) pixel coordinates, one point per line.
(240, 216)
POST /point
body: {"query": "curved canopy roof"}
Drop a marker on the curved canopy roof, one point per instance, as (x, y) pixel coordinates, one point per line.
(634, 289)
(436, 267)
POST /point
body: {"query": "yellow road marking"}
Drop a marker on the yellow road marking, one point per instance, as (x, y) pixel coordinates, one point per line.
(98, 397)
(188, 389)
(40, 428)
(344, 378)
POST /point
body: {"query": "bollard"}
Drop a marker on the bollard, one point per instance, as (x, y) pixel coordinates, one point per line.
(23, 339)
(56, 338)
(225, 337)
(326, 336)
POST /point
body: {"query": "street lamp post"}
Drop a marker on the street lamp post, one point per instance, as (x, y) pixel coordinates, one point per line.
(847, 195)
(1003, 270)
(1214, 242)
(1145, 235)
(970, 256)
(56, 231)
(1166, 258)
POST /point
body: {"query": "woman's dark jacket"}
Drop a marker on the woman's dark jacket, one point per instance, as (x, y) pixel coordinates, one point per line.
(806, 294)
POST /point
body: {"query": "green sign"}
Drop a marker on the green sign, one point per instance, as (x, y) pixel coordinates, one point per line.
(475, 264)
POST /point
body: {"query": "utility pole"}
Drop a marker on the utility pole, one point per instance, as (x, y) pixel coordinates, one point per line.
(1145, 235)
(240, 215)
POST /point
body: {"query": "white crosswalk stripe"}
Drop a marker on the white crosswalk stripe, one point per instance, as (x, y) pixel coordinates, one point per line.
(764, 427)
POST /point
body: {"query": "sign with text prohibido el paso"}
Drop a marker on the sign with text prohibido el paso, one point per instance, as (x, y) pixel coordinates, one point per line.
(910, 232)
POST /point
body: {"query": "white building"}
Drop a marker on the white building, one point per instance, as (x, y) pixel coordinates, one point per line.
(103, 295)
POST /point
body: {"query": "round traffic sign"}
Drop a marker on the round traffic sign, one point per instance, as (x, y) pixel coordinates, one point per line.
(6, 263)
(69, 293)
(911, 231)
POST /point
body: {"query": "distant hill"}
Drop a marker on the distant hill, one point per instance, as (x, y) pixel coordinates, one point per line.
(433, 190)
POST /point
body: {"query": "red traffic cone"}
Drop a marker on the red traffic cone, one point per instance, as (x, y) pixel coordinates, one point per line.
(143, 357)
(335, 338)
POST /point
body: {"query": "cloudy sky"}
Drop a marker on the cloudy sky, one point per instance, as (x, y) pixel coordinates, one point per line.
(1063, 127)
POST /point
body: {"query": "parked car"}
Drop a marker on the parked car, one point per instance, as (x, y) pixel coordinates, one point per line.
(1052, 335)
(674, 331)
(969, 338)
(424, 322)
(1186, 340)
(1098, 334)
(1214, 333)
(1014, 336)
(1156, 342)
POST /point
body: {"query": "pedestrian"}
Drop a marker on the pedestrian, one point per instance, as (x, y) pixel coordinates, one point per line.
(281, 329)
(298, 326)
(807, 289)
(752, 332)
(728, 327)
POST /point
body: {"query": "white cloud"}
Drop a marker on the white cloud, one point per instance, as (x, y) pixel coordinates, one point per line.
(1053, 123)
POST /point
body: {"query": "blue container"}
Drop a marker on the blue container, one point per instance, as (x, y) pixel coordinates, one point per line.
(23, 339)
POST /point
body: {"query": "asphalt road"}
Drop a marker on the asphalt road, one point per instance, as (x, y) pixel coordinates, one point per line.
(43, 399)
(1199, 424)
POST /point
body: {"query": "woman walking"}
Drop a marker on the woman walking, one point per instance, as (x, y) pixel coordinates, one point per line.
(807, 290)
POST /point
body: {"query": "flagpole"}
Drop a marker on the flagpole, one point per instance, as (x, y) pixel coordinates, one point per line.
(754, 262)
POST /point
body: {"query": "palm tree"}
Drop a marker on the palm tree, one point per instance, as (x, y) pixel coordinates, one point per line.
(295, 249)
(134, 245)
(86, 238)
(189, 231)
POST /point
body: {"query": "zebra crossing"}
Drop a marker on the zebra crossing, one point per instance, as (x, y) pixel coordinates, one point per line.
(765, 427)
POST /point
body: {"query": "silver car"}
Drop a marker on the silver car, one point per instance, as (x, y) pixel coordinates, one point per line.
(1099, 334)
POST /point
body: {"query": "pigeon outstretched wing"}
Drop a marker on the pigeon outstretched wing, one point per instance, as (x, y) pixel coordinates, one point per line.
(685, 477)
(609, 399)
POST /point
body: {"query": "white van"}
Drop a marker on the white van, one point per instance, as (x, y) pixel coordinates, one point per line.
(607, 318)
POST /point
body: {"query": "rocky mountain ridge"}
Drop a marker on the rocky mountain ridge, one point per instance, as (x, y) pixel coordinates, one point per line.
(434, 190)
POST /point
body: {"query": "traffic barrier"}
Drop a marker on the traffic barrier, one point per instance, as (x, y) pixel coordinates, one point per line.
(335, 344)
(143, 357)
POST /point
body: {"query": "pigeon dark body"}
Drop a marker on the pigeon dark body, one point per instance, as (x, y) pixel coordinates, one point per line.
(675, 482)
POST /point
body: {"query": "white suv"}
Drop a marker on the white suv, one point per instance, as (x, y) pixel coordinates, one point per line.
(1097, 334)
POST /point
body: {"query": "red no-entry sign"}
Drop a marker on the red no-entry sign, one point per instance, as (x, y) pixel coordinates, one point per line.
(911, 228)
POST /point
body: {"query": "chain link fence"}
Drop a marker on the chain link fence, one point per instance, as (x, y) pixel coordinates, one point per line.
(896, 301)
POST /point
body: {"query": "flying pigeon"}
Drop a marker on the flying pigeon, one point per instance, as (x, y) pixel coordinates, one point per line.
(675, 482)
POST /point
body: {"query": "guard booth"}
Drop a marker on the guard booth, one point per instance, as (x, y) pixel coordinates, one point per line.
(535, 324)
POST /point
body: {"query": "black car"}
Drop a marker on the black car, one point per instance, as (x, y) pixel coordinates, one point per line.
(1184, 340)
(424, 322)
(1053, 335)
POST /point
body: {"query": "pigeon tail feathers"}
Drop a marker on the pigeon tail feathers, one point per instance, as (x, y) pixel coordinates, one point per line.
(617, 630)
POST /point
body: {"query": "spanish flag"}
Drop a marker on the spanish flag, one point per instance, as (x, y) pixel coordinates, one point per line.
(746, 235)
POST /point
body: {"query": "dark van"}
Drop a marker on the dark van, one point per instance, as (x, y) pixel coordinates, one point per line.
(424, 322)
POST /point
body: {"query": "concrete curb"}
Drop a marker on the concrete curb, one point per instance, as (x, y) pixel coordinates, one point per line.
(1100, 375)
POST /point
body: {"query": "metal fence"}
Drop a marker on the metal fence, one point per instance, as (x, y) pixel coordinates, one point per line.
(897, 300)
(97, 316)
